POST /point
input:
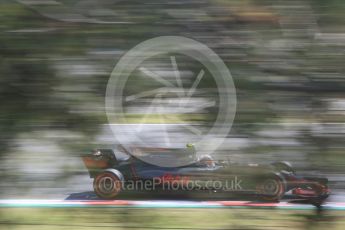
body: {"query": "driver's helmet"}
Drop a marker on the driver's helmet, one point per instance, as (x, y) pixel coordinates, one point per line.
(191, 148)
(190, 145)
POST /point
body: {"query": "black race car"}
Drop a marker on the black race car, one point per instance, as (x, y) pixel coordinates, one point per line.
(116, 171)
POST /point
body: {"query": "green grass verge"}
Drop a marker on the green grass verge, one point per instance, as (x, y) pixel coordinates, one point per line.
(127, 218)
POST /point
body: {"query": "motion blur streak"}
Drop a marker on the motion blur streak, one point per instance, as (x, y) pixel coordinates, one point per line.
(286, 59)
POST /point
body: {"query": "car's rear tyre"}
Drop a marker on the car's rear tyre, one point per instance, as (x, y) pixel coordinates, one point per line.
(271, 189)
(107, 185)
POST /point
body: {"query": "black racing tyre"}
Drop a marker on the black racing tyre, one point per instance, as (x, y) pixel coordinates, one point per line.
(271, 188)
(283, 166)
(107, 185)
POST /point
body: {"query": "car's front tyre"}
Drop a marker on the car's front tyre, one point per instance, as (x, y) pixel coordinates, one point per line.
(283, 166)
(107, 185)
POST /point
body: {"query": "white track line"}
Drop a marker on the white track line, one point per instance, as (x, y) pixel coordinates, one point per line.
(161, 204)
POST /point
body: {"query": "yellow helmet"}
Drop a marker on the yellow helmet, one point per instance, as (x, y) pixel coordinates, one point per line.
(189, 145)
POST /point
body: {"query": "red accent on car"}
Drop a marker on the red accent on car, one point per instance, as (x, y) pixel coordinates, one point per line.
(169, 178)
(134, 172)
(303, 192)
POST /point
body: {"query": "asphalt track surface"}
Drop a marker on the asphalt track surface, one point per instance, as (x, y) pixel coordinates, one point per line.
(89, 200)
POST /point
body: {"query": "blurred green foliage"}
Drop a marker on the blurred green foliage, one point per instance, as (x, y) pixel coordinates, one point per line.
(109, 218)
(286, 58)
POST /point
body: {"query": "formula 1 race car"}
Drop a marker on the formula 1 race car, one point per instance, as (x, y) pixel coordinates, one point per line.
(116, 171)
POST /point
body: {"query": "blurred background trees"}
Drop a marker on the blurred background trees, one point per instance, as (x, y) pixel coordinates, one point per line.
(286, 58)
